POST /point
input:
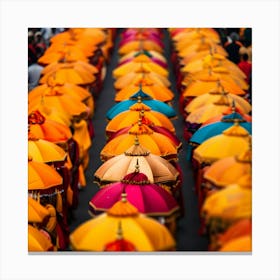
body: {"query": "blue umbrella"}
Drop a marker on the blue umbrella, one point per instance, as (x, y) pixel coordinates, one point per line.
(140, 96)
(213, 129)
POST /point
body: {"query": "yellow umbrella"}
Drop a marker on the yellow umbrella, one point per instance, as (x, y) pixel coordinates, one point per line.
(144, 233)
(213, 97)
(203, 113)
(156, 143)
(44, 151)
(139, 45)
(130, 117)
(36, 212)
(231, 142)
(139, 63)
(42, 176)
(229, 170)
(133, 53)
(153, 89)
(135, 77)
(241, 244)
(37, 241)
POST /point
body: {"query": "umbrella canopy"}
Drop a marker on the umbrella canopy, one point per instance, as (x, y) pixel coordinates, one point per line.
(140, 63)
(36, 212)
(37, 241)
(153, 89)
(240, 244)
(199, 87)
(44, 151)
(129, 117)
(148, 198)
(146, 234)
(157, 169)
(214, 129)
(140, 96)
(42, 176)
(46, 129)
(213, 97)
(156, 143)
(79, 73)
(230, 204)
(229, 170)
(231, 142)
(134, 77)
(207, 111)
(138, 45)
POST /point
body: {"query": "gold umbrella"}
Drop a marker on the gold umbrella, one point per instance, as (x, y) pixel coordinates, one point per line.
(231, 142)
(144, 233)
(240, 244)
(139, 45)
(36, 212)
(37, 241)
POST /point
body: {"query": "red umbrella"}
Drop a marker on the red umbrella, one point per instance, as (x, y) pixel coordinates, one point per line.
(148, 198)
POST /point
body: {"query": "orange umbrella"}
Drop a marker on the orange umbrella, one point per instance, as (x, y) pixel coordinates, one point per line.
(37, 241)
(156, 143)
(135, 77)
(231, 142)
(78, 72)
(46, 129)
(36, 212)
(153, 89)
(140, 63)
(44, 151)
(130, 117)
(138, 45)
(199, 87)
(203, 113)
(133, 53)
(240, 244)
(229, 170)
(42, 176)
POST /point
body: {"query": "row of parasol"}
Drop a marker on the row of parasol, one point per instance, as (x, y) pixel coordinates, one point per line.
(213, 98)
(60, 131)
(139, 196)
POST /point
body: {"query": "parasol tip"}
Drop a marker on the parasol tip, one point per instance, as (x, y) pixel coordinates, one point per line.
(233, 107)
(124, 197)
(137, 166)
(136, 141)
(119, 231)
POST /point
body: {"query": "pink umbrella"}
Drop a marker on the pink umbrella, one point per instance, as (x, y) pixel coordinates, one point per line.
(148, 198)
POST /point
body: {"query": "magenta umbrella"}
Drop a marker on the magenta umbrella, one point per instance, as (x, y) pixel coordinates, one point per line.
(148, 198)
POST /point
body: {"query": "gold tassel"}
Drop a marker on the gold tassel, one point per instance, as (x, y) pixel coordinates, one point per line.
(59, 203)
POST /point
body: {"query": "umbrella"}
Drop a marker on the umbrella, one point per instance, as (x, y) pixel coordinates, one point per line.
(140, 63)
(37, 241)
(129, 117)
(145, 233)
(139, 45)
(155, 105)
(208, 111)
(148, 198)
(36, 212)
(78, 72)
(42, 176)
(230, 204)
(231, 142)
(240, 244)
(46, 129)
(134, 77)
(44, 151)
(213, 97)
(199, 87)
(67, 89)
(214, 129)
(156, 91)
(156, 143)
(229, 170)
(157, 169)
